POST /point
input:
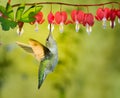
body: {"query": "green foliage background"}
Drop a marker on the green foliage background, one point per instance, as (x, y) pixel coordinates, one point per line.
(89, 66)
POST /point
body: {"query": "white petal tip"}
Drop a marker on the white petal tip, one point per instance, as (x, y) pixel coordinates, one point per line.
(119, 20)
(88, 29)
(52, 27)
(112, 24)
(36, 29)
(61, 27)
(77, 27)
(104, 23)
(20, 32)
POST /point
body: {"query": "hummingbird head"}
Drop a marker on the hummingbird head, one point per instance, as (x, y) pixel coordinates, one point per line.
(50, 42)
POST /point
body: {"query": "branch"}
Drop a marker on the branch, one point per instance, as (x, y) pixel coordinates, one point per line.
(68, 4)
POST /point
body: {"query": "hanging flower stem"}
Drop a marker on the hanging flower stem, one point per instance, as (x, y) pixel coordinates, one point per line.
(67, 4)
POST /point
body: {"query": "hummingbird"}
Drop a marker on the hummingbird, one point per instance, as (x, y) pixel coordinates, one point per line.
(47, 55)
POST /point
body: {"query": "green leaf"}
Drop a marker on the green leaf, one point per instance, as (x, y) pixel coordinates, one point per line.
(13, 24)
(19, 12)
(29, 14)
(2, 9)
(7, 24)
(9, 11)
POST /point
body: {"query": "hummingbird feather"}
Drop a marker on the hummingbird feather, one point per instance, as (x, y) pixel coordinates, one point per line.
(43, 71)
(40, 51)
(26, 47)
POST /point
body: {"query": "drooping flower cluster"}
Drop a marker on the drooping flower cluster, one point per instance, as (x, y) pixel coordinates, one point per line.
(78, 18)
(104, 14)
(34, 15)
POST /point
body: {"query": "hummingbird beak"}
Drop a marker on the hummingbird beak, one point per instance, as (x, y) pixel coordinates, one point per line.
(49, 36)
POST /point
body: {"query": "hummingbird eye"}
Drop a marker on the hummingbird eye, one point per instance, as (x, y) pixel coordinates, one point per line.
(47, 39)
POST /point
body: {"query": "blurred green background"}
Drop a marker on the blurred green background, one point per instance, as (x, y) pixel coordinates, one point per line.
(89, 66)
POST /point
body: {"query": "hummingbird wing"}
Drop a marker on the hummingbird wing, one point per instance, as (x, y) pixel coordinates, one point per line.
(26, 47)
(40, 51)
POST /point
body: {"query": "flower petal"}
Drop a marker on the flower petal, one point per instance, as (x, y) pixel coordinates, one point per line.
(80, 16)
(50, 18)
(60, 17)
(101, 13)
(88, 19)
(39, 16)
(74, 15)
(118, 13)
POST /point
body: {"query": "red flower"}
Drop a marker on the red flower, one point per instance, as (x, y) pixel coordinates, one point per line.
(112, 17)
(50, 18)
(74, 15)
(88, 21)
(103, 14)
(20, 28)
(77, 17)
(118, 15)
(50, 21)
(61, 18)
(39, 18)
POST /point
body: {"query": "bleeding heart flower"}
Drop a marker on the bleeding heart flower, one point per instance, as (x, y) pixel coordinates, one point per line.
(103, 14)
(77, 17)
(61, 19)
(88, 22)
(39, 17)
(50, 18)
(50, 21)
(38, 20)
(118, 15)
(112, 17)
(20, 28)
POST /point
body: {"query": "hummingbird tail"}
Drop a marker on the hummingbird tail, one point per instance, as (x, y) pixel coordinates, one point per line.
(40, 81)
(41, 77)
(39, 85)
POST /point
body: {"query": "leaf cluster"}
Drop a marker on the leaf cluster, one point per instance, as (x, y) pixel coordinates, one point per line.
(9, 18)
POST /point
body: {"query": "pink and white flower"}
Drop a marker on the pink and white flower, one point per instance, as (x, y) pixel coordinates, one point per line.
(77, 17)
(88, 22)
(61, 19)
(102, 14)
